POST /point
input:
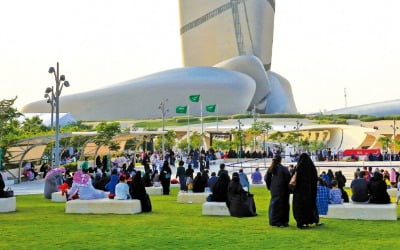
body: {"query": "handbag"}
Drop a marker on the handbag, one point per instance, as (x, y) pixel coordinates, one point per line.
(9, 192)
(292, 182)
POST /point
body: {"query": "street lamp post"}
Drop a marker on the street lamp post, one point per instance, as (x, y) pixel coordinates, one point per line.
(164, 111)
(297, 128)
(255, 120)
(51, 101)
(240, 137)
(55, 93)
(394, 127)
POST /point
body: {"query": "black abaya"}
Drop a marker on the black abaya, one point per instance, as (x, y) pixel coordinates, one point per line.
(240, 203)
(305, 193)
(138, 191)
(278, 184)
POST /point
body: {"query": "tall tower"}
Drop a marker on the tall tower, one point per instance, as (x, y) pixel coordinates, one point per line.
(216, 30)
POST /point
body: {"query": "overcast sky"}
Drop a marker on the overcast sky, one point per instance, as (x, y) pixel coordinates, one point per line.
(320, 46)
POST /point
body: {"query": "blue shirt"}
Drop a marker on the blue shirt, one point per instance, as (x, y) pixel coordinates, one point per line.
(122, 191)
(335, 196)
(322, 199)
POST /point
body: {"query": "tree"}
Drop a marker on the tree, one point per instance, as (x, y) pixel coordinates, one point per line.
(278, 137)
(9, 126)
(258, 128)
(105, 134)
(169, 140)
(239, 140)
(183, 145)
(385, 141)
(33, 126)
(315, 145)
(222, 144)
(195, 140)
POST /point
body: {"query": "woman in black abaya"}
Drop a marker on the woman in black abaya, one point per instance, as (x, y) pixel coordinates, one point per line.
(138, 191)
(240, 202)
(305, 193)
(220, 189)
(278, 183)
(165, 177)
(198, 184)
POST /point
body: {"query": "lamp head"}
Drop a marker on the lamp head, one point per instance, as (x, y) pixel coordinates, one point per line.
(46, 96)
(62, 78)
(48, 90)
(51, 70)
(66, 84)
(48, 101)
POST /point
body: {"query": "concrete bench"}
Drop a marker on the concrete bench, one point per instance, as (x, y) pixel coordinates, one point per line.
(215, 208)
(197, 198)
(103, 206)
(154, 190)
(58, 197)
(8, 205)
(363, 211)
(392, 192)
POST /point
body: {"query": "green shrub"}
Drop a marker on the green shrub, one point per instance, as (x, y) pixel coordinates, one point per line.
(241, 116)
(283, 116)
(214, 118)
(185, 119)
(72, 166)
(370, 118)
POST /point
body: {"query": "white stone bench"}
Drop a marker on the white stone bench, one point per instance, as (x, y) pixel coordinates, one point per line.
(154, 190)
(103, 206)
(392, 192)
(197, 198)
(215, 208)
(8, 205)
(363, 211)
(58, 197)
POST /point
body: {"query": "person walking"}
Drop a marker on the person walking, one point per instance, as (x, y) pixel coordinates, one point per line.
(165, 177)
(305, 193)
(181, 174)
(277, 181)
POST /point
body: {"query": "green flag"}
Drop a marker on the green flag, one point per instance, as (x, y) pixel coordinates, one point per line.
(194, 98)
(181, 109)
(211, 108)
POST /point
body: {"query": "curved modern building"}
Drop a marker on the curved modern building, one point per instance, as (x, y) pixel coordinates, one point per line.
(391, 107)
(227, 48)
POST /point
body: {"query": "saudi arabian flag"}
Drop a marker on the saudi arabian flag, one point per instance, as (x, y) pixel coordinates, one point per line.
(194, 98)
(181, 109)
(211, 108)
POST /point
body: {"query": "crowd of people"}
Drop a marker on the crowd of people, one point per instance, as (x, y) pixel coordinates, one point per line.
(312, 193)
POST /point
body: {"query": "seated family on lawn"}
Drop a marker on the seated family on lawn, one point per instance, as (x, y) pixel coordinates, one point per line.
(222, 189)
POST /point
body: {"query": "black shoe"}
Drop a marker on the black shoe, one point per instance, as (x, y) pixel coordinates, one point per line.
(304, 226)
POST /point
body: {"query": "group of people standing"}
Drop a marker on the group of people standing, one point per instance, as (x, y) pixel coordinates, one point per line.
(303, 185)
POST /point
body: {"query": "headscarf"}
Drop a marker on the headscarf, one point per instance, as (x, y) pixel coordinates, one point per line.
(54, 172)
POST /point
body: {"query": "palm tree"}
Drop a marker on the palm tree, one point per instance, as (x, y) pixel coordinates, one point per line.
(278, 137)
(385, 141)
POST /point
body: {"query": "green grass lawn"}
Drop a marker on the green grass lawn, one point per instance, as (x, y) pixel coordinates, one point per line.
(39, 223)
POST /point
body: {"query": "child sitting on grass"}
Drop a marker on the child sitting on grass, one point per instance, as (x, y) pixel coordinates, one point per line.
(335, 194)
(122, 189)
(322, 197)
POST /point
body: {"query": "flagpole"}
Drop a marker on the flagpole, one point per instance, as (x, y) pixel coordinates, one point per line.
(216, 109)
(201, 119)
(188, 131)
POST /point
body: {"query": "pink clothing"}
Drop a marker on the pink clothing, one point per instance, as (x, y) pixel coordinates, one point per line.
(393, 175)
